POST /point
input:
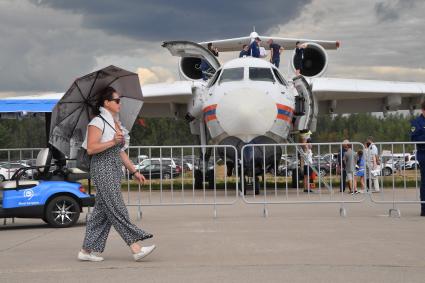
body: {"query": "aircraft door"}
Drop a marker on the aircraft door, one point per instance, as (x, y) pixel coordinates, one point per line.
(192, 56)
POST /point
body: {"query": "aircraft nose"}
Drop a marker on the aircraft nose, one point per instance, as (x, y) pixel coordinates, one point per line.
(246, 111)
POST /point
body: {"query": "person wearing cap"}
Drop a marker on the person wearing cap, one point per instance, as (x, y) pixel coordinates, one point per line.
(275, 50)
(418, 134)
(299, 57)
(254, 48)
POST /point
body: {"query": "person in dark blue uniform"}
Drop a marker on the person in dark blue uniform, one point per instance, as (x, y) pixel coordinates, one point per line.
(244, 52)
(275, 50)
(299, 56)
(418, 134)
(205, 66)
(254, 48)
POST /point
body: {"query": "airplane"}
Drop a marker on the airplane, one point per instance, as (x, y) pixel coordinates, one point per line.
(248, 101)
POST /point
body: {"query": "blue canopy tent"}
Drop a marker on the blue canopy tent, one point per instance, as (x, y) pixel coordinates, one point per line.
(30, 106)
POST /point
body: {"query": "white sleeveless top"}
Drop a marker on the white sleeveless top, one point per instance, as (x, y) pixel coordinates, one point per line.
(108, 131)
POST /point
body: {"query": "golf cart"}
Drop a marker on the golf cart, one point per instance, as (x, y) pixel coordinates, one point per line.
(54, 196)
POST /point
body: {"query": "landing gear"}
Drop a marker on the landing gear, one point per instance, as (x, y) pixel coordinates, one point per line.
(249, 185)
(199, 179)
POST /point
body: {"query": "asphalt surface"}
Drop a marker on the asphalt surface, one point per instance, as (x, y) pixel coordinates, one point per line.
(295, 243)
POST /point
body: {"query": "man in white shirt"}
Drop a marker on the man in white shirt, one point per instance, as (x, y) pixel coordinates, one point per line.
(372, 158)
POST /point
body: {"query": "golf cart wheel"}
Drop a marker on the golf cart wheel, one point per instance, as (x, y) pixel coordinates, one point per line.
(167, 176)
(2, 178)
(62, 212)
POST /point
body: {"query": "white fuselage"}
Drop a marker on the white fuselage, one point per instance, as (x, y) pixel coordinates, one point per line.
(247, 98)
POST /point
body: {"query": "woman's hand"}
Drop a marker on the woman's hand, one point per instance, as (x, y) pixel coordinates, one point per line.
(139, 177)
(118, 138)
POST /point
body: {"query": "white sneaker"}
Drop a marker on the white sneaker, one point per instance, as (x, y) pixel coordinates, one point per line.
(143, 252)
(89, 257)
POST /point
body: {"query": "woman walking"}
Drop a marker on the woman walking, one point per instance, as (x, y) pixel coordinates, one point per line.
(106, 144)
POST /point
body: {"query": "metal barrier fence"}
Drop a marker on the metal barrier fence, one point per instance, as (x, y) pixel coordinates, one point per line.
(182, 177)
(398, 181)
(283, 166)
(264, 174)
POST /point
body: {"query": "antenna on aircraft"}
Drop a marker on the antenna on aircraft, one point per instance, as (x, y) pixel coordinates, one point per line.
(253, 28)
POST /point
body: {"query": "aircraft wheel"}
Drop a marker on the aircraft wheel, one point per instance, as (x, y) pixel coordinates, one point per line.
(198, 179)
(62, 212)
(210, 176)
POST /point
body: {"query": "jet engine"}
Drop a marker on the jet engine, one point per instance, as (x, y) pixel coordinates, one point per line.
(190, 68)
(315, 60)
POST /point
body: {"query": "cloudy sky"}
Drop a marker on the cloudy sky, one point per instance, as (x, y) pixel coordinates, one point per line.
(46, 44)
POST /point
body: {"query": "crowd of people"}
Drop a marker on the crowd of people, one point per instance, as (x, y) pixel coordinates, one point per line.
(257, 51)
(352, 167)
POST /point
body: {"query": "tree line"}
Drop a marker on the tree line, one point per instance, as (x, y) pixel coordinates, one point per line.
(28, 133)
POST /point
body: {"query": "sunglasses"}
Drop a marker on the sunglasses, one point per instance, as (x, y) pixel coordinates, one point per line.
(117, 100)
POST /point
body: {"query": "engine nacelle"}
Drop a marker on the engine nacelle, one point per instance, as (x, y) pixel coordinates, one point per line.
(315, 60)
(190, 68)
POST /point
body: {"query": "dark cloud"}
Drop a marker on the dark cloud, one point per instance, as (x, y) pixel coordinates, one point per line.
(158, 20)
(391, 10)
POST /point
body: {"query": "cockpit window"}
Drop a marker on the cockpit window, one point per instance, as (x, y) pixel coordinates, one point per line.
(214, 78)
(261, 74)
(232, 74)
(279, 78)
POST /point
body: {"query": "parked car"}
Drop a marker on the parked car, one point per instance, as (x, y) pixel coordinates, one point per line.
(187, 162)
(165, 161)
(155, 170)
(286, 166)
(7, 169)
(408, 163)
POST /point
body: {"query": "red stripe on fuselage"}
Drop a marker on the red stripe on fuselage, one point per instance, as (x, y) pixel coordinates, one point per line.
(284, 117)
(284, 107)
(210, 117)
(211, 107)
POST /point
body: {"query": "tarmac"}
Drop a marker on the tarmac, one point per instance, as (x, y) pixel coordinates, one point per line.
(294, 243)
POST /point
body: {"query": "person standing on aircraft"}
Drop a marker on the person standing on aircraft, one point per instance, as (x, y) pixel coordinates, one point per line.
(418, 134)
(106, 143)
(244, 52)
(275, 50)
(204, 64)
(254, 48)
(299, 57)
(213, 49)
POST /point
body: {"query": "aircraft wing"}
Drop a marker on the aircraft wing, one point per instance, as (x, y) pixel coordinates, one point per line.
(235, 44)
(165, 99)
(340, 96)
